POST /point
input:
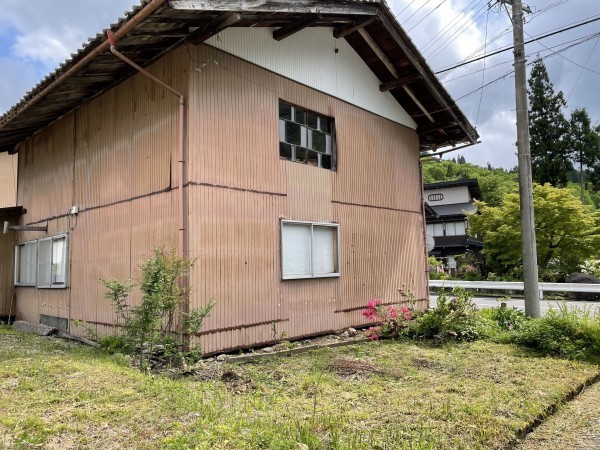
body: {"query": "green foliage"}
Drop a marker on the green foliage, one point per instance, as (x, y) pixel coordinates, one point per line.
(508, 319)
(548, 129)
(567, 332)
(454, 319)
(584, 145)
(568, 233)
(150, 326)
(494, 183)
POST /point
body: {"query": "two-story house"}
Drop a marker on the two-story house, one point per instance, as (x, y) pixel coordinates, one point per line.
(451, 201)
(275, 143)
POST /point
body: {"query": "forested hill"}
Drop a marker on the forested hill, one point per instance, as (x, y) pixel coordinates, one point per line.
(494, 183)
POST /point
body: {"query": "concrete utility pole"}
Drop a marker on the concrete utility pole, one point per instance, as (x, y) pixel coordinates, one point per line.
(530, 269)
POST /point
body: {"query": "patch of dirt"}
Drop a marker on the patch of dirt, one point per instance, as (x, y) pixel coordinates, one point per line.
(9, 384)
(236, 383)
(428, 364)
(208, 371)
(353, 368)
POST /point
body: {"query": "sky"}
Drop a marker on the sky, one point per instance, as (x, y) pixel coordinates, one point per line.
(37, 35)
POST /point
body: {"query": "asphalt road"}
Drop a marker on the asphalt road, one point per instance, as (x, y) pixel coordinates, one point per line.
(545, 305)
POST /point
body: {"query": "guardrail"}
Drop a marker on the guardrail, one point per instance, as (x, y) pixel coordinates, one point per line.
(516, 286)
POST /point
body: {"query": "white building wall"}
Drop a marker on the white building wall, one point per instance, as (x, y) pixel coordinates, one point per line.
(451, 196)
(342, 74)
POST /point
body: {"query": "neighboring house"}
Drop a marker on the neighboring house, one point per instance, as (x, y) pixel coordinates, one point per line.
(8, 212)
(297, 189)
(450, 201)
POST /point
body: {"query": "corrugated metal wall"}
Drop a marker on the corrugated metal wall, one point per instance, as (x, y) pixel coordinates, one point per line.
(6, 271)
(240, 189)
(8, 180)
(115, 158)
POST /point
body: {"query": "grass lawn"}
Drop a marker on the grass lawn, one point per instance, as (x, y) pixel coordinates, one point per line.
(55, 394)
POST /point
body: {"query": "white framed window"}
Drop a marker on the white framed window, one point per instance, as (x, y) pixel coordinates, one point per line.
(42, 263)
(25, 263)
(455, 228)
(309, 250)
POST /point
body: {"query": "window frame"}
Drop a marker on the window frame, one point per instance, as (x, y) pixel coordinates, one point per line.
(312, 274)
(17, 263)
(307, 138)
(53, 284)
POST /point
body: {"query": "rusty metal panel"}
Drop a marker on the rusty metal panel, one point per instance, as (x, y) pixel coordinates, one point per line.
(127, 137)
(309, 192)
(234, 239)
(46, 172)
(240, 189)
(382, 256)
(6, 273)
(378, 161)
(232, 112)
(113, 242)
(8, 180)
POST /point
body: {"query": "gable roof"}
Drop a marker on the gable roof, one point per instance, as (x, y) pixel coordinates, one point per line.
(157, 26)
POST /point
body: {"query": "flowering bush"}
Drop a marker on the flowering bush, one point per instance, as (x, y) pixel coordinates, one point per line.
(389, 321)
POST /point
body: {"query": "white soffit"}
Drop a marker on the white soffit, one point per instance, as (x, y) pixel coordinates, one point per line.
(309, 57)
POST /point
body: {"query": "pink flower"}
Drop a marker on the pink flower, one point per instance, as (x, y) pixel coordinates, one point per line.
(378, 302)
(404, 310)
(393, 312)
(371, 304)
(374, 337)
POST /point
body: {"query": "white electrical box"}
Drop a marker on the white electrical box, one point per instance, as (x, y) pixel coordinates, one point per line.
(74, 210)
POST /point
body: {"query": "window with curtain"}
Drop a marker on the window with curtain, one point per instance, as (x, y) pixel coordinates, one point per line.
(309, 250)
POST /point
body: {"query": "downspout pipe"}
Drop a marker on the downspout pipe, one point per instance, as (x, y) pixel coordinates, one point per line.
(182, 238)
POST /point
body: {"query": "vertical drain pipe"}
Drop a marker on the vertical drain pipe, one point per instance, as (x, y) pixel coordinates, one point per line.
(182, 239)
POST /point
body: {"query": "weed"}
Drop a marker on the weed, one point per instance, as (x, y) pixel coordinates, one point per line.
(150, 328)
(454, 318)
(567, 332)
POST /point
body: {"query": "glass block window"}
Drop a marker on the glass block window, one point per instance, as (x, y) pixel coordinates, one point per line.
(306, 137)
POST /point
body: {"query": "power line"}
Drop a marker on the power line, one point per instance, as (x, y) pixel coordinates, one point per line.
(449, 26)
(581, 71)
(405, 8)
(487, 17)
(570, 60)
(418, 9)
(510, 72)
(505, 49)
(458, 32)
(426, 15)
(577, 41)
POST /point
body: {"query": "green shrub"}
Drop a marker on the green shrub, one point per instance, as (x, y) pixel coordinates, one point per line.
(454, 318)
(508, 319)
(567, 332)
(161, 323)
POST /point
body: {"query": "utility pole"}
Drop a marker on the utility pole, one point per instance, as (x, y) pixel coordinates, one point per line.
(530, 269)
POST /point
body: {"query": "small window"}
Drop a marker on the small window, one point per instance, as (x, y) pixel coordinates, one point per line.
(435, 197)
(438, 229)
(42, 263)
(25, 263)
(309, 250)
(455, 228)
(306, 137)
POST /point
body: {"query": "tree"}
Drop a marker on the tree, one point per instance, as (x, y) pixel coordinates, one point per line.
(584, 145)
(548, 128)
(568, 233)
